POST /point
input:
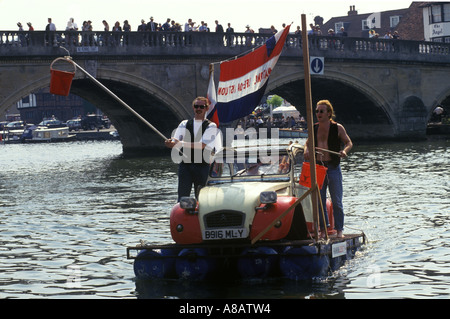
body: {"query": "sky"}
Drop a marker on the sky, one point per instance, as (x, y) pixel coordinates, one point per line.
(256, 13)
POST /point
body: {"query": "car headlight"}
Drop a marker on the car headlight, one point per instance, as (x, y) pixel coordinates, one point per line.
(268, 197)
(188, 203)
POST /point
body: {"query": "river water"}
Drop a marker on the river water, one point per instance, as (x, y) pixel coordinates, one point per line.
(69, 210)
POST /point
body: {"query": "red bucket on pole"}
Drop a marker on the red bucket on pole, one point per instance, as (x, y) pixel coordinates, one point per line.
(61, 81)
(305, 176)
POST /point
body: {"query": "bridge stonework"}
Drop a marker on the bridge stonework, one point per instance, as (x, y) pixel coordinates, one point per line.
(380, 88)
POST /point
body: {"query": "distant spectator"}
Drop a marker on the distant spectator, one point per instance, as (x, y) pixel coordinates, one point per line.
(50, 37)
(203, 27)
(219, 28)
(106, 29)
(29, 36)
(317, 30)
(152, 25)
(117, 27)
(273, 30)
(343, 33)
(248, 40)
(230, 37)
(188, 26)
(50, 26)
(166, 25)
(126, 29)
(311, 32)
(248, 29)
(142, 27)
(71, 25)
(22, 40)
(117, 30)
(126, 26)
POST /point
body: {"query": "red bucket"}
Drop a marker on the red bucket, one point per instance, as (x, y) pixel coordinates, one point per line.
(61, 81)
(305, 176)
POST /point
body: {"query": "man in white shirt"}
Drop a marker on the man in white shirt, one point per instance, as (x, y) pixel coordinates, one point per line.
(197, 138)
(50, 36)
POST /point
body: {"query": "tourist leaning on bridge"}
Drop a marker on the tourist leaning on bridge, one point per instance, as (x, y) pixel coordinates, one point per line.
(329, 135)
(196, 138)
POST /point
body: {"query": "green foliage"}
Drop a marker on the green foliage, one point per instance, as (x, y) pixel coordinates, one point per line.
(275, 100)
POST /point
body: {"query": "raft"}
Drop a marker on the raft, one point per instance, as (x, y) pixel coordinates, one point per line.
(296, 260)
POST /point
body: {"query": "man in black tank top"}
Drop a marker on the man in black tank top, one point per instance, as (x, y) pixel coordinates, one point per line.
(329, 135)
(195, 139)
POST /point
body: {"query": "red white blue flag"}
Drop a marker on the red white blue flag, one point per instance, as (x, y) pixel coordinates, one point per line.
(212, 97)
(243, 81)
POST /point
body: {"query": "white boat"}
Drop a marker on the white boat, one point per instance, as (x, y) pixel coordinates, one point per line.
(44, 134)
(292, 133)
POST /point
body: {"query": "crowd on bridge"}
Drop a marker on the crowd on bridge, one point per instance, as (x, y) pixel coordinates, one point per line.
(151, 26)
(169, 25)
(119, 31)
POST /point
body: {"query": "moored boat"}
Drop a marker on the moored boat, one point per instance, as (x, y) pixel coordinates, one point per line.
(39, 134)
(292, 133)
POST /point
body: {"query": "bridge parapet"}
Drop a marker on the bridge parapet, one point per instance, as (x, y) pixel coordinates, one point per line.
(107, 44)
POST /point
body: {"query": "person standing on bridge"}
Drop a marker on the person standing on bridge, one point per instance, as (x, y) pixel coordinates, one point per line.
(329, 135)
(197, 138)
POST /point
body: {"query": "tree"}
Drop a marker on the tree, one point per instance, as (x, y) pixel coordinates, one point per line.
(275, 101)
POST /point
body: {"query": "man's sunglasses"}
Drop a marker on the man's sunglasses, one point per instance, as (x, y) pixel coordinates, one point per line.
(202, 106)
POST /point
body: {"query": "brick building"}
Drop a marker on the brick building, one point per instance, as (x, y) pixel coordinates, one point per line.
(422, 21)
(41, 104)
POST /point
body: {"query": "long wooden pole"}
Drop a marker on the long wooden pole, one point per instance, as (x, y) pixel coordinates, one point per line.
(309, 114)
(69, 59)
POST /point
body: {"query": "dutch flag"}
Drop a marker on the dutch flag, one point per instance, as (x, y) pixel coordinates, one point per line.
(243, 81)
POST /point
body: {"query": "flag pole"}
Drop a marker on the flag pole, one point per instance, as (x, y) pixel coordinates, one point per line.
(309, 114)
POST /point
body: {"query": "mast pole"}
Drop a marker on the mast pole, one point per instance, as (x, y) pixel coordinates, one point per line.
(310, 120)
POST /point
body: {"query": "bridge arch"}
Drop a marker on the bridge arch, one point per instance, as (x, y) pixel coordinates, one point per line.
(158, 107)
(156, 91)
(23, 90)
(443, 98)
(360, 107)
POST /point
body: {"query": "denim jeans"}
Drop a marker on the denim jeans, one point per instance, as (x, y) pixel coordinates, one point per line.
(333, 181)
(189, 174)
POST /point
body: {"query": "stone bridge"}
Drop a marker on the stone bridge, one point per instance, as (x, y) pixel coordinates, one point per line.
(381, 88)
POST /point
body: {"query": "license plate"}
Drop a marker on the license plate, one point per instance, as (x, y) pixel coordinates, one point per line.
(214, 234)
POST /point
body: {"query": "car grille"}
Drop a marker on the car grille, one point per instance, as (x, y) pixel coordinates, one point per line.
(221, 219)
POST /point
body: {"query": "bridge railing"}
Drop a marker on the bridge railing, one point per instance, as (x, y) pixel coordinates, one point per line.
(25, 43)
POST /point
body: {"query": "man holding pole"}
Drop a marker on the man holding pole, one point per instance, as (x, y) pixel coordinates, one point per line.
(328, 137)
(196, 138)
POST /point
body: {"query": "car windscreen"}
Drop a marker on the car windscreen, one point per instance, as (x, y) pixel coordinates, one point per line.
(251, 166)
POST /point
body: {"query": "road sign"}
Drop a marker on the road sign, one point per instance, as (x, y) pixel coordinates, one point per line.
(317, 65)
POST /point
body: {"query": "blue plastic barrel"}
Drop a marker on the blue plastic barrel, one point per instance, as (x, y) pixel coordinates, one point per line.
(304, 263)
(151, 264)
(194, 264)
(257, 263)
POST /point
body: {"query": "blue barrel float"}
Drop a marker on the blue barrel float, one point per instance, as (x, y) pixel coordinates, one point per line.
(194, 264)
(304, 263)
(257, 263)
(153, 264)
